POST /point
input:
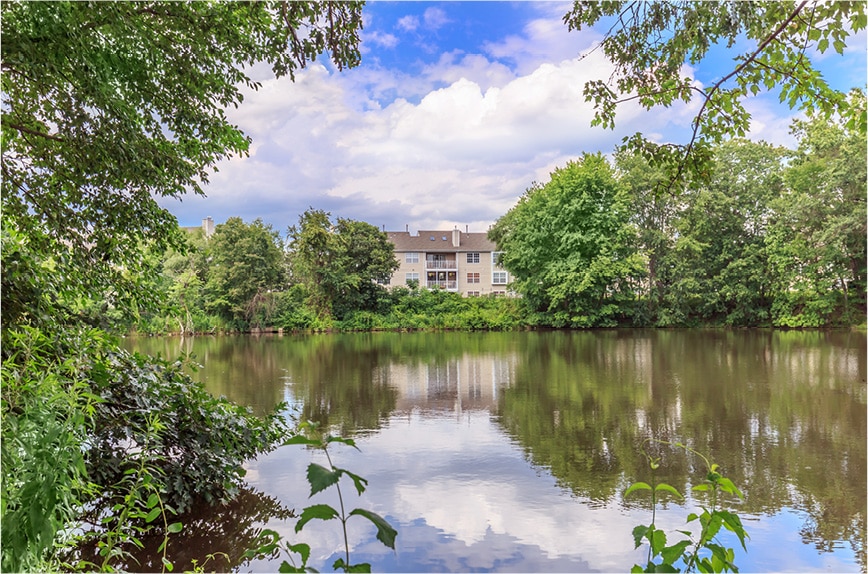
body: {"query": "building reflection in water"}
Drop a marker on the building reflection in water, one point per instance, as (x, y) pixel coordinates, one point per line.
(468, 382)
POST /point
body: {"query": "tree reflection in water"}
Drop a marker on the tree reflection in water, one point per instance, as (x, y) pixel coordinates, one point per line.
(227, 530)
(782, 412)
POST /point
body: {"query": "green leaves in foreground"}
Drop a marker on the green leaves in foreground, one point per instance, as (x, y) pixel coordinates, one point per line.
(705, 554)
(320, 478)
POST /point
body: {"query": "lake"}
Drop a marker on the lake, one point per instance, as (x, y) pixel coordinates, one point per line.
(505, 452)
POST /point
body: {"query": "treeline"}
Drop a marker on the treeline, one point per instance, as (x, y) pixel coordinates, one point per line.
(324, 275)
(771, 237)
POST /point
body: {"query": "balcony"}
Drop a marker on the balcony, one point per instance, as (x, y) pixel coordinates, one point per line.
(447, 285)
(429, 264)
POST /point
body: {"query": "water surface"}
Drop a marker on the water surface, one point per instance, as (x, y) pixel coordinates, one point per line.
(511, 451)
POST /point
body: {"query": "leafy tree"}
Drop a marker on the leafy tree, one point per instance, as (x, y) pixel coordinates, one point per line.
(817, 238)
(109, 105)
(654, 211)
(650, 43)
(247, 263)
(339, 263)
(718, 266)
(570, 246)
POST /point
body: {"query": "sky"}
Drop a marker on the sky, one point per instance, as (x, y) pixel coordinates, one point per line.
(456, 109)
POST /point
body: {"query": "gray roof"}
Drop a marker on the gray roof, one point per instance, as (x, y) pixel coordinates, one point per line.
(442, 241)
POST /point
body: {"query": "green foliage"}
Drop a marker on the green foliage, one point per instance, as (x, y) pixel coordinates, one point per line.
(46, 415)
(201, 441)
(570, 247)
(321, 478)
(339, 263)
(705, 552)
(245, 266)
(649, 44)
(107, 107)
(112, 105)
(817, 238)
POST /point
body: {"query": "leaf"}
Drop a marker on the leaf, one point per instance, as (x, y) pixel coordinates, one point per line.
(153, 499)
(667, 488)
(727, 485)
(732, 522)
(639, 533)
(671, 554)
(385, 533)
(658, 541)
(320, 511)
(287, 567)
(302, 550)
(360, 482)
(152, 515)
(321, 478)
(301, 439)
(340, 439)
(168, 565)
(175, 527)
(637, 486)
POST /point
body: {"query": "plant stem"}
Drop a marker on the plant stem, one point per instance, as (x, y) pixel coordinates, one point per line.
(343, 514)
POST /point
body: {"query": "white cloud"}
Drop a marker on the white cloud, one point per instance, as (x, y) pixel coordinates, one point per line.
(435, 18)
(462, 155)
(408, 23)
(455, 144)
(380, 39)
(543, 40)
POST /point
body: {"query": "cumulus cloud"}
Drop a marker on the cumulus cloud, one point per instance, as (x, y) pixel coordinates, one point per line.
(455, 144)
(435, 18)
(408, 23)
(380, 39)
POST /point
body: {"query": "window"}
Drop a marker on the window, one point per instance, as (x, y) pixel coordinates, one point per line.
(498, 278)
(411, 277)
(495, 258)
(473, 257)
(498, 293)
(411, 258)
(473, 293)
(473, 277)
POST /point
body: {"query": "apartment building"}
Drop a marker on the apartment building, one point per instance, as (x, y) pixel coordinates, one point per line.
(466, 263)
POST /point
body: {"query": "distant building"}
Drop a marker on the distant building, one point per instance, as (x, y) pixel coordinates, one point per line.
(466, 263)
(208, 226)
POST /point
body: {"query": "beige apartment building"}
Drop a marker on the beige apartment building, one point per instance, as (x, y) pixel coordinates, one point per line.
(465, 263)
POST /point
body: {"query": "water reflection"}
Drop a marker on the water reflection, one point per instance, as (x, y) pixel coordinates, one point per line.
(783, 412)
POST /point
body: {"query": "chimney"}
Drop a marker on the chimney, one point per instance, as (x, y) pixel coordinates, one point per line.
(456, 237)
(407, 227)
(466, 229)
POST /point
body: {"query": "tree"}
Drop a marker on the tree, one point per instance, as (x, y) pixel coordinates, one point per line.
(649, 43)
(109, 105)
(105, 107)
(570, 246)
(247, 263)
(718, 270)
(339, 263)
(817, 238)
(654, 211)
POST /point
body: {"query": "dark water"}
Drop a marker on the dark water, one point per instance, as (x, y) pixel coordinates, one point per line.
(511, 451)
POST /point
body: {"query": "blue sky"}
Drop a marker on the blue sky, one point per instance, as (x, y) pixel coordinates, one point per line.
(456, 109)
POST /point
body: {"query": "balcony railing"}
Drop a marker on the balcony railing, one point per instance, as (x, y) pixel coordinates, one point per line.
(448, 285)
(429, 264)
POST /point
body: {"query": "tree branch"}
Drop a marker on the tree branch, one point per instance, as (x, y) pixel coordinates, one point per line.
(708, 95)
(25, 130)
